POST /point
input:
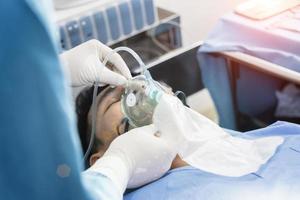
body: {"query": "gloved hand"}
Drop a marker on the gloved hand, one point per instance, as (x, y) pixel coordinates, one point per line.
(84, 64)
(140, 156)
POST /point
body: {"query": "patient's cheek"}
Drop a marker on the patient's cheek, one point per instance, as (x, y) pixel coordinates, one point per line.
(116, 110)
(114, 115)
(178, 162)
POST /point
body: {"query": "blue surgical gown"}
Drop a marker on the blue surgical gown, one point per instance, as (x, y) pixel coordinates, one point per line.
(40, 156)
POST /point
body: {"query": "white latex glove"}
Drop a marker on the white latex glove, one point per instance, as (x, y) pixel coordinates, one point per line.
(84, 65)
(140, 156)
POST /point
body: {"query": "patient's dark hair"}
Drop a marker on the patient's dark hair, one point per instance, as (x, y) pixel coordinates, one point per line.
(83, 104)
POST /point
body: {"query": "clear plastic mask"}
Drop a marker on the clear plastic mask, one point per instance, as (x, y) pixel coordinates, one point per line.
(141, 96)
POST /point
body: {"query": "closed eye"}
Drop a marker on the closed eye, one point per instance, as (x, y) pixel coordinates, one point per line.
(113, 101)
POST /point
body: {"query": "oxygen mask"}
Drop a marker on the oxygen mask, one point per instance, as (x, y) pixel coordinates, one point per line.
(140, 98)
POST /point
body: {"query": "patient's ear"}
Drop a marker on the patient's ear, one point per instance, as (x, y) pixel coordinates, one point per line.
(95, 157)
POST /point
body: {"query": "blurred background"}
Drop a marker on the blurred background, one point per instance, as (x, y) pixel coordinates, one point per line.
(167, 35)
(196, 23)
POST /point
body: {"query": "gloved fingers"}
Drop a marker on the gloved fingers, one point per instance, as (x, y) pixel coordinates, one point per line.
(167, 121)
(153, 137)
(109, 77)
(115, 59)
(120, 65)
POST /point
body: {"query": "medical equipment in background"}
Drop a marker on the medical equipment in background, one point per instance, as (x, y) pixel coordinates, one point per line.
(109, 21)
(262, 9)
(138, 24)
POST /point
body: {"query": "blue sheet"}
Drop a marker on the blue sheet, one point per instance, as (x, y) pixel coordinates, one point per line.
(255, 91)
(281, 174)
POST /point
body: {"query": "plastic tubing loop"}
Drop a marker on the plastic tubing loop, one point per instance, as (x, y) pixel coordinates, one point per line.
(96, 86)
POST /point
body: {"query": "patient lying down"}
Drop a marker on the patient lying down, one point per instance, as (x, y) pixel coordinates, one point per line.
(204, 145)
(111, 122)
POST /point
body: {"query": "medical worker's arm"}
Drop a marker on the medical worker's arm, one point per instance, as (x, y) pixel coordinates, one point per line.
(39, 150)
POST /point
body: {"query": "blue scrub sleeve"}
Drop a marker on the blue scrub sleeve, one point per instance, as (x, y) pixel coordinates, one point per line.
(40, 156)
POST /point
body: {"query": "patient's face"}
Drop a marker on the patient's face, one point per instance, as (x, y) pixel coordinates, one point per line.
(110, 122)
(109, 114)
(109, 118)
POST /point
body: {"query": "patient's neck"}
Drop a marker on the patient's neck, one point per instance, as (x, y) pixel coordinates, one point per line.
(178, 162)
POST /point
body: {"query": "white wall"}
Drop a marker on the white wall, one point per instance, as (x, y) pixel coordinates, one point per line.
(198, 16)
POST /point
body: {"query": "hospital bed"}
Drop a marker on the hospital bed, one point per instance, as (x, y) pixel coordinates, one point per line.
(237, 60)
(258, 64)
(278, 179)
